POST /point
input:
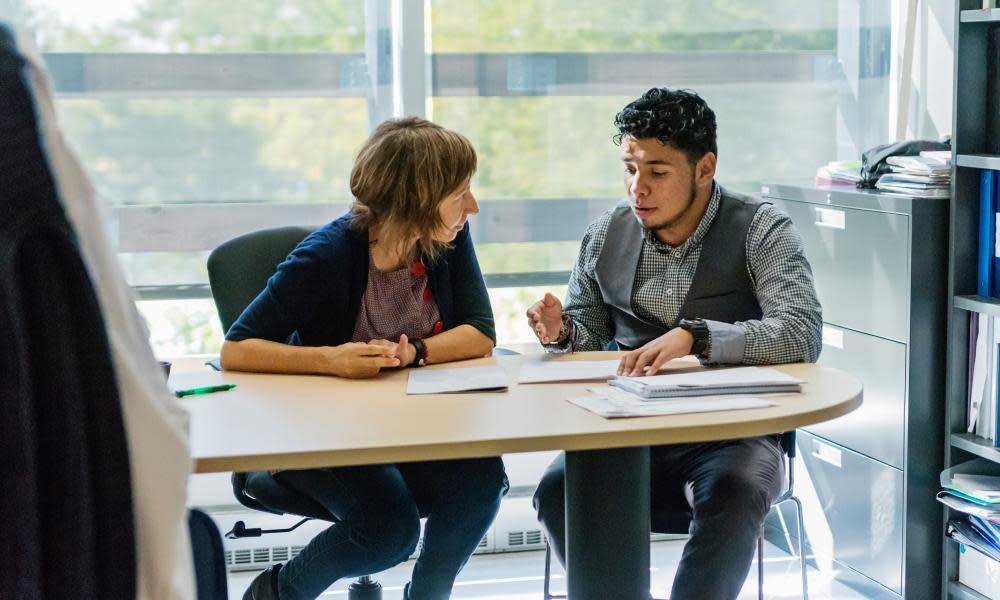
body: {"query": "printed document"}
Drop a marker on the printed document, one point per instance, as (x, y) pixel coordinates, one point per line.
(439, 381)
(542, 370)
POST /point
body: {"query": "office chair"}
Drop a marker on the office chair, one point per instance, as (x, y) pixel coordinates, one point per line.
(671, 521)
(237, 271)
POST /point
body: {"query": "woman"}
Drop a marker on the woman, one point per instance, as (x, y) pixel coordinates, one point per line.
(393, 283)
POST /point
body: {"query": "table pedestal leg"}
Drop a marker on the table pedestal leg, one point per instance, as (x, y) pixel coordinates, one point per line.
(607, 524)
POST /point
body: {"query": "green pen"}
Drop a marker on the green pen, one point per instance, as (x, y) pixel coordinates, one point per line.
(205, 390)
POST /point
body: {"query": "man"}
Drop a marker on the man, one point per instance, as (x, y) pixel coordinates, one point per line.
(687, 267)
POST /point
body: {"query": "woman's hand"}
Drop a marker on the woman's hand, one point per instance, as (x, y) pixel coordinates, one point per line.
(403, 349)
(357, 360)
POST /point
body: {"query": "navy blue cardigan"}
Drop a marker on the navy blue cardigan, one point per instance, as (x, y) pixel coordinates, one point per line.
(314, 297)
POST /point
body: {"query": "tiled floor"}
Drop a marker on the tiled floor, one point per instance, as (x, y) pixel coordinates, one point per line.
(518, 576)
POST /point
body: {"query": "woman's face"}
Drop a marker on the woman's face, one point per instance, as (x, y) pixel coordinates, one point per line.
(454, 211)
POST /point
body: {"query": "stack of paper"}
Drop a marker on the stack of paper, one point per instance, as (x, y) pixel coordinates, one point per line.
(927, 175)
(612, 403)
(743, 380)
(842, 172)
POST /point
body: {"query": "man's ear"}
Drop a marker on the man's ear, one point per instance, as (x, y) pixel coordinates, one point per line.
(705, 168)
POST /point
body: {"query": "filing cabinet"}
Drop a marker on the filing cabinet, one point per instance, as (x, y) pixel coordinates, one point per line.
(868, 479)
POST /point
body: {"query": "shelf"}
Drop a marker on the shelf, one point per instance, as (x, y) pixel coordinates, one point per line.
(979, 304)
(957, 591)
(980, 15)
(976, 445)
(978, 161)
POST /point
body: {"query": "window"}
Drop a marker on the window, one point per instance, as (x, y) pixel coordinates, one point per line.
(199, 122)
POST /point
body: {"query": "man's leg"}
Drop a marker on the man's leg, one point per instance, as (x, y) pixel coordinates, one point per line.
(733, 484)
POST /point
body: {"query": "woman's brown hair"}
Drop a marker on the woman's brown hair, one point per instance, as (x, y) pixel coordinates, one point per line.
(400, 176)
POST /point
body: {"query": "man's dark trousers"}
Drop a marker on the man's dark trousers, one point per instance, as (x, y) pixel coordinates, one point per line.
(730, 487)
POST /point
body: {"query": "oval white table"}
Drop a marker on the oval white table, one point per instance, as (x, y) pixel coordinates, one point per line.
(296, 422)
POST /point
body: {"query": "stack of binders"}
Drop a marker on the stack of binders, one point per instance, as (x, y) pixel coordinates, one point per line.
(973, 489)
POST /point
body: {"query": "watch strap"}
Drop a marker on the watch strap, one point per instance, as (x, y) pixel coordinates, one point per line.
(698, 329)
(420, 358)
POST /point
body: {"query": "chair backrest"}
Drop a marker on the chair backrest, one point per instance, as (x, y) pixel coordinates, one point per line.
(239, 269)
(209, 557)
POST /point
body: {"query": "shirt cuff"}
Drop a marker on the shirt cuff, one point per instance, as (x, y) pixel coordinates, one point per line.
(727, 341)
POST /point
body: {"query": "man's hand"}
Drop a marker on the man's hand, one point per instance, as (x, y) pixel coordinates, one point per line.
(545, 318)
(357, 360)
(403, 349)
(648, 359)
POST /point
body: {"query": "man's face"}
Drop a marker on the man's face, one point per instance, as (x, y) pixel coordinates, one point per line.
(659, 180)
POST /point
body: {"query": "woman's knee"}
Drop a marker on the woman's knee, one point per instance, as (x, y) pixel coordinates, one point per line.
(392, 537)
(484, 481)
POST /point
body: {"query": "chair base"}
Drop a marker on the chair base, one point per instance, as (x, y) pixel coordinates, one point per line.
(365, 588)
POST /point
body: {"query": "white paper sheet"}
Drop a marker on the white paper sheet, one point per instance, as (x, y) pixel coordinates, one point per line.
(542, 370)
(612, 403)
(439, 381)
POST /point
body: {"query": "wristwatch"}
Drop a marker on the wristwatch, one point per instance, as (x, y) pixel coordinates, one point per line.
(564, 330)
(698, 328)
(420, 358)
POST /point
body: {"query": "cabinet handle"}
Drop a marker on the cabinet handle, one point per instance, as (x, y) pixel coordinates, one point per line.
(826, 453)
(832, 218)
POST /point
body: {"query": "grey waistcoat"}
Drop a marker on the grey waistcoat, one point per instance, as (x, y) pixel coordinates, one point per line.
(720, 291)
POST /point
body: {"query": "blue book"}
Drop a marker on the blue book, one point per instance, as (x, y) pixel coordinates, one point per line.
(995, 274)
(987, 231)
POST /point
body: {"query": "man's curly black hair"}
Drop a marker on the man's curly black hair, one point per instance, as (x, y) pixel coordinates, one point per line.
(676, 117)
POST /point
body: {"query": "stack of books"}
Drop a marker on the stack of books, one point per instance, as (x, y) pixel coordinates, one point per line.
(926, 176)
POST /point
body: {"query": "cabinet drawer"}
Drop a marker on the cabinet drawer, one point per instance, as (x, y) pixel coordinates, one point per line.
(876, 429)
(860, 264)
(859, 514)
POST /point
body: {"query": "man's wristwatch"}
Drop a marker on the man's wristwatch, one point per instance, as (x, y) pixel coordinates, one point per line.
(564, 330)
(420, 358)
(698, 328)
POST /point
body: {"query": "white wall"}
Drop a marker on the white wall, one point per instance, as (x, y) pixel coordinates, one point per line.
(931, 95)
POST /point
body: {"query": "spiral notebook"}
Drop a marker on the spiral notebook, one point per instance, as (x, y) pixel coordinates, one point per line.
(741, 380)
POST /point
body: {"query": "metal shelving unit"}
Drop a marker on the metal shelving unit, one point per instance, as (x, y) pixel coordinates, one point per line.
(970, 145)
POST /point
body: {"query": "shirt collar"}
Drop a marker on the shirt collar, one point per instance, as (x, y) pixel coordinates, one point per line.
(699, 232)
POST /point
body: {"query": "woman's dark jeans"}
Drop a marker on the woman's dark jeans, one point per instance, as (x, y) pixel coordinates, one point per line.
(378, 510)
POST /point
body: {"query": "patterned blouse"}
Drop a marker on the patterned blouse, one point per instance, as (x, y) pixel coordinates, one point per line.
(397, 302)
